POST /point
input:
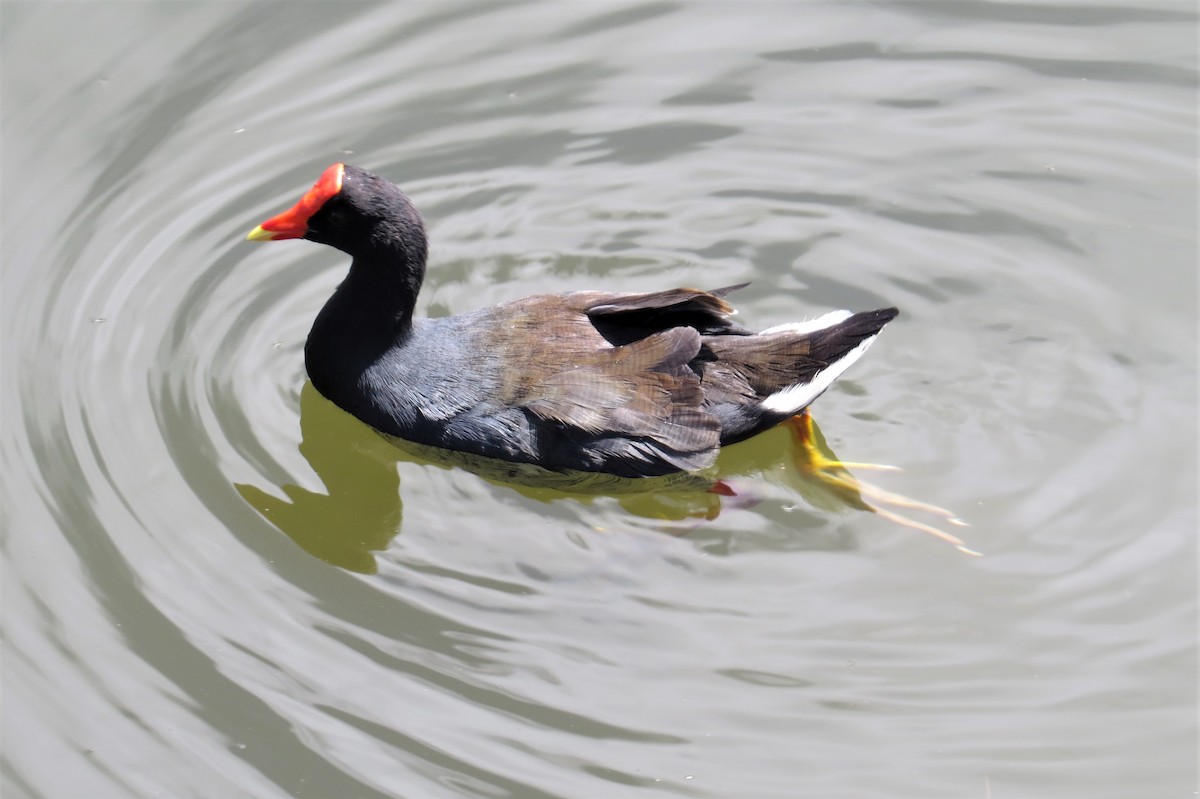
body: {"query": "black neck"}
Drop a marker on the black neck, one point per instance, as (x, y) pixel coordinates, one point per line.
(370, 313)
(384, 288)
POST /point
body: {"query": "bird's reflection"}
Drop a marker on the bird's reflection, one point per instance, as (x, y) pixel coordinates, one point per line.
(362, 510)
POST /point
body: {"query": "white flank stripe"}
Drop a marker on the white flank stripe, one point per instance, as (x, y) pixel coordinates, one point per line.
(812, 325)
(794, 399)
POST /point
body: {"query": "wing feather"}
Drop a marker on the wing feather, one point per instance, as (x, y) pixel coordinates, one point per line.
(644, 391)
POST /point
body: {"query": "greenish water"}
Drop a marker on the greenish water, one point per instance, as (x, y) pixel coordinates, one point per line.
(216, 585)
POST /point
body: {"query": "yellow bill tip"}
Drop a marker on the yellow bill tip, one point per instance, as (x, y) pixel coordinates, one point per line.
(259, 234)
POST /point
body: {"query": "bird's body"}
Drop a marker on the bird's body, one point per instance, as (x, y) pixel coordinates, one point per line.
(633, 385)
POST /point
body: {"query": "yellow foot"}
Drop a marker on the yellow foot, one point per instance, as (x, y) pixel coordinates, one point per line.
(811, 459)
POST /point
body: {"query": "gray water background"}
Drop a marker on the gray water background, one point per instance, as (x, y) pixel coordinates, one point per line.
(196, 604)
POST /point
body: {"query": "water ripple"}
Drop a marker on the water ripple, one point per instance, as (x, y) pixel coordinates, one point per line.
(214, 578)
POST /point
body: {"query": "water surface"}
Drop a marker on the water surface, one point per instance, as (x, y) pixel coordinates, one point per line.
(215, 584)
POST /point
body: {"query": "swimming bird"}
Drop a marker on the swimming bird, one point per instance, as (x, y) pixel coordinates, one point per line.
(626, 384)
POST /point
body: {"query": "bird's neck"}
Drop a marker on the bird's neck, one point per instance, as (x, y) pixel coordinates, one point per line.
(370, 313)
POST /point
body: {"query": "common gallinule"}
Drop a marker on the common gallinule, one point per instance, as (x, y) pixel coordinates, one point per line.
(634, 385)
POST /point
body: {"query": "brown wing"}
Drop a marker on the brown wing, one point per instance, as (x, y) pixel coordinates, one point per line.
(681, 300)
(623, 318)
(644, 391)
(638, 402)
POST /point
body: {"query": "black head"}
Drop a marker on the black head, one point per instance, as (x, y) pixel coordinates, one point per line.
(358, 213)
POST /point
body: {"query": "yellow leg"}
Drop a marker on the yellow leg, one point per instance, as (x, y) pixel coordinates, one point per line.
(813, 461)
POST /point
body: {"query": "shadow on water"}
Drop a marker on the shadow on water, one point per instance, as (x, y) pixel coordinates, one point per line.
(362, 510)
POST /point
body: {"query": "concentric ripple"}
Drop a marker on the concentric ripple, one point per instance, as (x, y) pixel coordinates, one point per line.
(218, 584)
